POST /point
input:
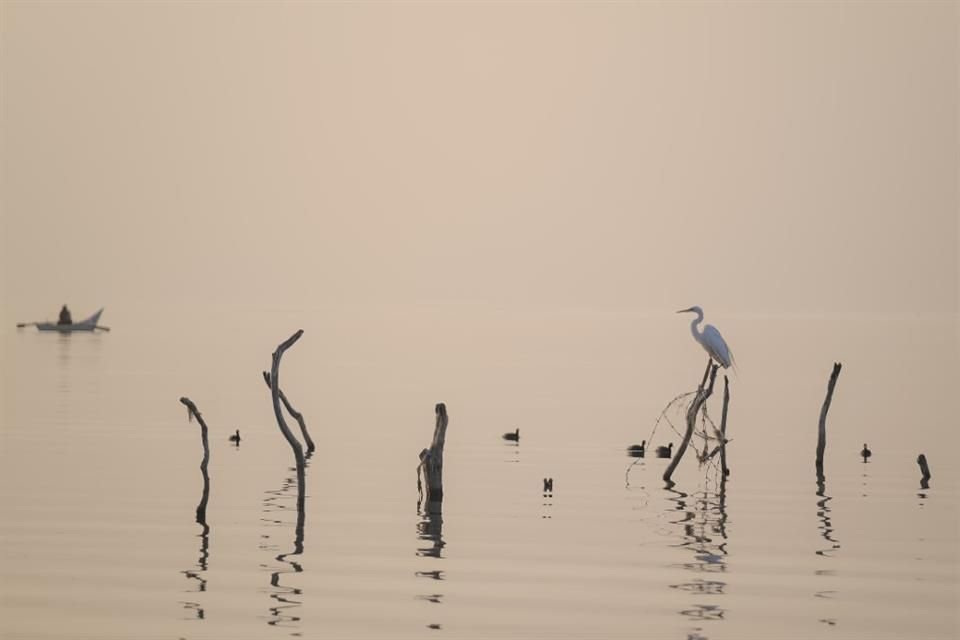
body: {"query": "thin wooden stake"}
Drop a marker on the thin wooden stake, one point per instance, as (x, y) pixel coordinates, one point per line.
(193, 412)
(723, 428)
(822, 433)
(925, 470)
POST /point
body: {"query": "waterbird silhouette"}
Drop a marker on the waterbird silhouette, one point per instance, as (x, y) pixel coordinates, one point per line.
(710, 339)
(514, 436)
(665, 452)
(637, 450)
(235, 438)
(866, 453)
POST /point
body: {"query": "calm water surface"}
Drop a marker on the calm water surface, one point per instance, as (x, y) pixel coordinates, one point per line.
(100, 479)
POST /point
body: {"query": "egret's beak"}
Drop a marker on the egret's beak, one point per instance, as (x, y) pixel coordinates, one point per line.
(685, 310)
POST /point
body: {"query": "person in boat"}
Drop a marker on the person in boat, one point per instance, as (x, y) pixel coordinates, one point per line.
(65, 317)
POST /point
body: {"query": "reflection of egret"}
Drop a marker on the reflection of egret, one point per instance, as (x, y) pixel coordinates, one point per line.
(710, 339)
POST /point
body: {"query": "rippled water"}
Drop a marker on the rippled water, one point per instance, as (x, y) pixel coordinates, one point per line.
(100, 480)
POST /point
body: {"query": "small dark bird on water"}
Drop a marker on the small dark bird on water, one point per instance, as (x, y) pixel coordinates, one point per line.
(515, 436)
(548, 485)
(665, 452)
(866, 453)
(235, 438)
(637, 450)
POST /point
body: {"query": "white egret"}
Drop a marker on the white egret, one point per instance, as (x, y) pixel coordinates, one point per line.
(710, 339)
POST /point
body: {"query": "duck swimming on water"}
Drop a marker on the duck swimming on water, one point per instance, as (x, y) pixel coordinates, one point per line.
(866, 453)
(235, 438)
(665, 452)
(514, 435)
(637, 450)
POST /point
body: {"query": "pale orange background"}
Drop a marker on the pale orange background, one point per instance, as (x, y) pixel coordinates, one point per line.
(748, 157)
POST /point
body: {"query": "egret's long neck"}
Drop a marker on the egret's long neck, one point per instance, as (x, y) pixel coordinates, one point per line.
(693, 326)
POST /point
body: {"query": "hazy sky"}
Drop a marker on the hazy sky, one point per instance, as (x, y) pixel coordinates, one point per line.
(745, 157)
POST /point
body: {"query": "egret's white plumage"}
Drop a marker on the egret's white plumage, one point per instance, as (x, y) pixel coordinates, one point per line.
(710, 339)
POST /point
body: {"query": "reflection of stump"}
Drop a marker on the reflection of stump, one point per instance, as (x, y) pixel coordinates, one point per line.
(822, 433)
(191, 413)
(431, 460)
(703, 392)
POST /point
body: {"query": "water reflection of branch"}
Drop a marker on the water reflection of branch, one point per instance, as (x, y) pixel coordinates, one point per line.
(286, 597)
(430, 529)
(823, 513)
(704, 527)
(197, 574)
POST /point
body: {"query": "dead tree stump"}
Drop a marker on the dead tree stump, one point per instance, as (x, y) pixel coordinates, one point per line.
(191, 413)
(296, 415)
(431, 460)
(822, 433)
(284, 429)
(703, 392)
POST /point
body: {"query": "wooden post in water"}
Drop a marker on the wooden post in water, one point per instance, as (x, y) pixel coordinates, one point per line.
(822, 434)
(284, 429)
(723, 428)
(296, 415)
(698, 400)
(925, 470)
(191, 413)
(431, 460)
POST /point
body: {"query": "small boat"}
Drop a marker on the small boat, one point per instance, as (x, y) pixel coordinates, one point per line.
(88, 324)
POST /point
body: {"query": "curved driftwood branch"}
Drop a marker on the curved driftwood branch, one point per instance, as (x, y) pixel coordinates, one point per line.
(296, 415)
(431, 460)
(695, 406)
(191, 413)
(284, 429)
(822, 432)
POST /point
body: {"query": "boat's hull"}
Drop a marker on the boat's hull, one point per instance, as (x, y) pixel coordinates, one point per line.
(64, 328)
(87, 324)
